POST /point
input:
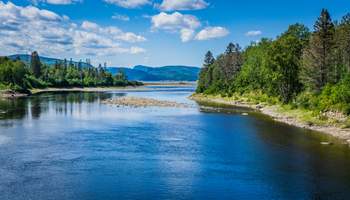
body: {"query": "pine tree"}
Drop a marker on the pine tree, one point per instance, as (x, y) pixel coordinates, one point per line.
(317, 58)
(343, 45)
(209, 59)
(230, 48)
(205, 74)
(35, 64)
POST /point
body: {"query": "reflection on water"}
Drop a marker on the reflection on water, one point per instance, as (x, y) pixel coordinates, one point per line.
(61, 102)
(70, 146)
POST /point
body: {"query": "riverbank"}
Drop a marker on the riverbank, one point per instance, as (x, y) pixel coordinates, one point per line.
(330, 123)
(170, 83)
(14, 94)
(11, 94)
(86, 89)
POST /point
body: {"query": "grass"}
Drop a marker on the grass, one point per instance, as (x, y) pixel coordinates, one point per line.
(4, 87)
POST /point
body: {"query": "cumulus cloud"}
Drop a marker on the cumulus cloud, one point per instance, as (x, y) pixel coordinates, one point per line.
(25, 29)
(171, 5)
(128, 3)
(57, 2)
(175, 21)
(186, 26)
(253, 33)
(211, 33)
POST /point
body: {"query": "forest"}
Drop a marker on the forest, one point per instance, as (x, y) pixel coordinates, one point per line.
(17, 76)
(307, 69)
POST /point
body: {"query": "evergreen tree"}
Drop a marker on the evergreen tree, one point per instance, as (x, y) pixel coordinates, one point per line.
(317, 62)
(205, 73)
(230, 48)
(209, 59)
(35, 64)
(342, 52)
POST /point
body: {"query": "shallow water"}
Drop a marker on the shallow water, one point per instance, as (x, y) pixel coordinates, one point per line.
(70, 146)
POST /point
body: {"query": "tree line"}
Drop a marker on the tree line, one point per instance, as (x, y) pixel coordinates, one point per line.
(16, 75)
(308, 69)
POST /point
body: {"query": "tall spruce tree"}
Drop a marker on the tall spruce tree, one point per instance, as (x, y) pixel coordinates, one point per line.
(342, 40)
(35, 64)
(317, 59)
(209, 59)
(205, 75)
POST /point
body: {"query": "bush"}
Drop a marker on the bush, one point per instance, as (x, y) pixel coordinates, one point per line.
(306, 100)
(32, 82)
(336, 97)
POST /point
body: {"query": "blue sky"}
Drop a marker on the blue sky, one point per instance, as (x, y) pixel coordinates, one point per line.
(148, 32)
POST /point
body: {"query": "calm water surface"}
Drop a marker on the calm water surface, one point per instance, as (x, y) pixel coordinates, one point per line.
(70, 146)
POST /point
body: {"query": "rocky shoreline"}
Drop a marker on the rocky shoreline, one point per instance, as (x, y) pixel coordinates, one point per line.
(143, 102)
(12, 94)
(272, 111)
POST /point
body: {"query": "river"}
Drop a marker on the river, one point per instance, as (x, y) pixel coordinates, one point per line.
(68, 145)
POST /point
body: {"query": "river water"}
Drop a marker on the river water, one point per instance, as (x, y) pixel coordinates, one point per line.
(70, 146)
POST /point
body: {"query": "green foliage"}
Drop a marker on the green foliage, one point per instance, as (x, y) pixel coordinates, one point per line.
(217, 75)
(17, 76)
(12, 74)
(205, 76)
(336, 97)
(32, 82)
(255, 73)
(285, 60)
(300, 69)
(318, 69)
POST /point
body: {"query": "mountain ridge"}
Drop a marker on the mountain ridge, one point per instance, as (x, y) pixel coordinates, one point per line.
(136, 73)
(164, 73)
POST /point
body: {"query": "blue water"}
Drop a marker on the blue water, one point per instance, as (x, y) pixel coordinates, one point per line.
(70, 146)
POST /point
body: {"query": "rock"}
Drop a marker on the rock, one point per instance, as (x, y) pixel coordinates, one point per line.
(259, 106)
(245, 114)
(326, 143)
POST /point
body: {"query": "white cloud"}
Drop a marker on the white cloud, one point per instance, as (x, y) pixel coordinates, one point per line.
(87, 25)
(211, 33)
(121, 17)
(129, 3)
(58, 2)
(175, 21)
(186, 26)
(171, 5)
(25, 29)
(253, 33)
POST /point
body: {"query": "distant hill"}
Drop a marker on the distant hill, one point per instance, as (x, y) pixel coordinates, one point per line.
(166, 73)
(48, 61)
(139, 72)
